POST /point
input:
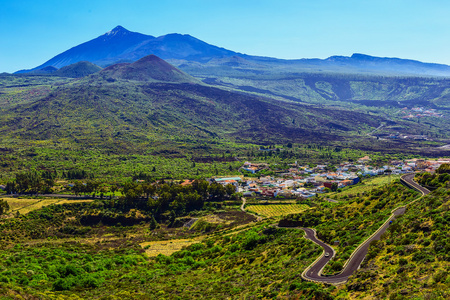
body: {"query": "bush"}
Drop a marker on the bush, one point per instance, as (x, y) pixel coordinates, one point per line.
(63, 284)
(90, 282)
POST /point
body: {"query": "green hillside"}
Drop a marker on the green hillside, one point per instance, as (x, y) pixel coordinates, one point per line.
(374, 91)
(95, 250)
(97, 112)
(412, 258)
(77, 70)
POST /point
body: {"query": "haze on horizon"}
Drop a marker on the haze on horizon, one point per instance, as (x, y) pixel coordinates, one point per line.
(35, 31)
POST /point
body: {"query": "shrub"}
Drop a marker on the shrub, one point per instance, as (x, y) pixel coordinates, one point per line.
(63, 284)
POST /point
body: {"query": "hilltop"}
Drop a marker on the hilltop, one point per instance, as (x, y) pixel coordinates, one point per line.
(148, 68)
(77, 70)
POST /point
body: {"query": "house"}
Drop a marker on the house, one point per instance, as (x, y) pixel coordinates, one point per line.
(319, 178)
(2, 187)
(328, 184)
(218, 180)
(347, 182)
(320, 189)
(232, 182)
(247, 194)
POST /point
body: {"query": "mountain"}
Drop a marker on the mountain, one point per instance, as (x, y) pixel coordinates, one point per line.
(150, 100)
(389, 65)
(120, 44)
(77, 70)
(195, 56)
(148, 68)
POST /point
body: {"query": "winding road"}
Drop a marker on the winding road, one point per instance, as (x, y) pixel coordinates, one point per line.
(314, 271)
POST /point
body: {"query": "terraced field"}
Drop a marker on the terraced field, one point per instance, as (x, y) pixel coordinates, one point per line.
(275, 210)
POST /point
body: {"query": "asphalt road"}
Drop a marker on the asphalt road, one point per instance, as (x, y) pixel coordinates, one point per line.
(314, 271)
(409, 179)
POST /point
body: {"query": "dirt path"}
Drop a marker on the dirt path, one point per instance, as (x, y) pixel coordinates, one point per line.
(244, 201)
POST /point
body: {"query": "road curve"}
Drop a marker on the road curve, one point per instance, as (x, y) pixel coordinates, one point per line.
(408, 180)
(314, 271)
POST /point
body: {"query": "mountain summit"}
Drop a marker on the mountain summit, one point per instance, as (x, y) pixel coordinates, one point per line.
(117, 30)
(122, 45)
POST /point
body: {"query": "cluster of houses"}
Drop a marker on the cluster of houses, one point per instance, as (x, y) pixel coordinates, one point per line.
(306, 182)
(419, 112)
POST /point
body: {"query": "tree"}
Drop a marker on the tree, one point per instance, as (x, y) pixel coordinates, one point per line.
(153, 223)
(11, 187)
(230, 189)
(216, 191)
(334, 187)
(201, 187)
(444, 168)
(4, 207)
(148, 189)
(113, 189)
(29, 182)
(78, 188)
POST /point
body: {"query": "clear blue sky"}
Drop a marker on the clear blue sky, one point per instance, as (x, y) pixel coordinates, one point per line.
(33, 31)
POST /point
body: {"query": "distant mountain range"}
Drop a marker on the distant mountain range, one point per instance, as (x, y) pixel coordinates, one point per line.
(193, 55)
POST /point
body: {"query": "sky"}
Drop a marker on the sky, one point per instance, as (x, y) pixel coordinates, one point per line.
(33, 31)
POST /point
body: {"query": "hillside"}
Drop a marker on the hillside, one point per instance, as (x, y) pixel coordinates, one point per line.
(115, 247)
(77, 70)
(412, 258)
(93, 110)
(148, 68)
(340, 89)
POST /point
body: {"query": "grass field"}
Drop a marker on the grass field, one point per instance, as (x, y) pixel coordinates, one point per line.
(17, 204)
(24, 206)
(275, 210)
(39, 204)
(167, 247)
(66, 201)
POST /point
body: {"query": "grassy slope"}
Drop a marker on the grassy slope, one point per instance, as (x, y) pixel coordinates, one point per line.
(261, 261)
(353, 221)
(412, 258)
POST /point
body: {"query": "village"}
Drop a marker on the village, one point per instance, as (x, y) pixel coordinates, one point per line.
(419, 112)
(307, 182)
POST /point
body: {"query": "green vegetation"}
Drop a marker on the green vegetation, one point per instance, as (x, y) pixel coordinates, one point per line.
(366, 185)
(412, 258)
(261, 262)
(439, 179)
(127, 145)
(353, 221)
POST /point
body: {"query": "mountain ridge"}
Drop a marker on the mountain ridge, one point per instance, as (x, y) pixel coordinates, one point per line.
(122, 45)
